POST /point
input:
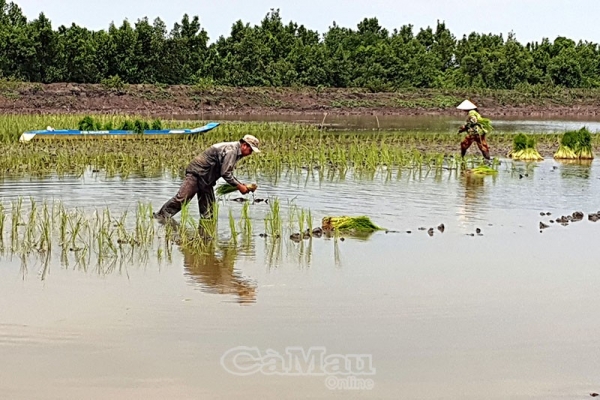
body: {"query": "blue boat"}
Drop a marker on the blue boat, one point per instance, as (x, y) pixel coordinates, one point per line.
(50, 133)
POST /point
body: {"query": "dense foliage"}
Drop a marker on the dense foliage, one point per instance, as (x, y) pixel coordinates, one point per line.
(275, 54)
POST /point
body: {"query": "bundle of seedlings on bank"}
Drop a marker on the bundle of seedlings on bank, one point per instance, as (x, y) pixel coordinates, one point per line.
(575, 145)
(349, 224)
(226, 188)
(524, 149)
(88, 123)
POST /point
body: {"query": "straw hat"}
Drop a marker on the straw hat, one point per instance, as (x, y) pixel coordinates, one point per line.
(466, 105)
(252, 142)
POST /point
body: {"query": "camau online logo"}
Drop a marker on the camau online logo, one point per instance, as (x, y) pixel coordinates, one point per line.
(342, 371)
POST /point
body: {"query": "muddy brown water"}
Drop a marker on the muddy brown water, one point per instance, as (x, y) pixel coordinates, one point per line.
(511, 313)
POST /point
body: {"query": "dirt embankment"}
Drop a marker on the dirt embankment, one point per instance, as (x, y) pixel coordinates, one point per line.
(160, 100)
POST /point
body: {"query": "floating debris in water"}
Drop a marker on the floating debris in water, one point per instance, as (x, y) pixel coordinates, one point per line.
(543, 225)
(441, 228)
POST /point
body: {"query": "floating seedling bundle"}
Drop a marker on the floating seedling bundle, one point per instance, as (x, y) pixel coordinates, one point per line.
(575, 145)
(524, 149)
(482, 170)
(359, 224)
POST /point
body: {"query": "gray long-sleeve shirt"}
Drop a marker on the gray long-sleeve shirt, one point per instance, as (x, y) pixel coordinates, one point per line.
(215, 162)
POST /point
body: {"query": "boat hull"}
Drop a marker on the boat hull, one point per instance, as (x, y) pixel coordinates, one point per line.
(114, 134)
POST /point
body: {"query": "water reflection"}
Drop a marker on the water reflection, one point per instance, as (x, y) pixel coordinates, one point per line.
(423, 123)
(575, 168)
(473, 192)
(212, 269)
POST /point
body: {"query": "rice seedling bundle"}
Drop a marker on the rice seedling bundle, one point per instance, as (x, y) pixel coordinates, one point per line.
(524, 149)
(226, 188)
(482, 170)
(485, 123)
(575, 145)
(349, 224)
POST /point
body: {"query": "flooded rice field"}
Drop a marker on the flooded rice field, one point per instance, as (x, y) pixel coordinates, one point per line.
(499, 303)
(423, 123)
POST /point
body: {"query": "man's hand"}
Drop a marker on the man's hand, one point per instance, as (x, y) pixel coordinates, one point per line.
(243, 189)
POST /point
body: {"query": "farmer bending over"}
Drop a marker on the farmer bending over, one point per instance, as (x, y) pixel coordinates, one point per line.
(474, 127)
(202, 173)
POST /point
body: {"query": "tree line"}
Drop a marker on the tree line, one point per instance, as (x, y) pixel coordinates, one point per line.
(277, 54)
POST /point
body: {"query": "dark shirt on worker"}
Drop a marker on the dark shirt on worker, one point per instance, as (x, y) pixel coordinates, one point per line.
(215, 162)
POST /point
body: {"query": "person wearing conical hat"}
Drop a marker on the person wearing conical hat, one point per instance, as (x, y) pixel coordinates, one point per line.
(476, 128)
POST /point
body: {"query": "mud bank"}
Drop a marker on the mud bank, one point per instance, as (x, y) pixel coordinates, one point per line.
(193, 101)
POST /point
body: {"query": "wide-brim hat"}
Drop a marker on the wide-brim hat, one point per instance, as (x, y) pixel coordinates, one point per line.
(466, 105)
(252, 142)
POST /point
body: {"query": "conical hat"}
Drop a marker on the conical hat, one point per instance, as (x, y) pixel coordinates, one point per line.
(466, 105)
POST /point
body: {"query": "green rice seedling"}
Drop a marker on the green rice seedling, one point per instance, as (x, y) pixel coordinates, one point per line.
(301, 220)
(232, 227)
(76, 224)
(273, 218)
(568, 143)
(63, 222)
(208, 226)
(584, 150)
(46, 229)
(157, 124)
(2, 222)
(482, 170)
(349, 224)
(575, 145)
(225, 189)
(246, 221)
(524, 149)
(30, 229)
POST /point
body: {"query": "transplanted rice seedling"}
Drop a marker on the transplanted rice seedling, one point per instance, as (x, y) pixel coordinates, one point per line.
(273, 218)
(232, 227)
(2, 221)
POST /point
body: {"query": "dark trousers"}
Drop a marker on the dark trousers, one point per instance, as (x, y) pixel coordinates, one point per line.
(481, 143)
(190, 187)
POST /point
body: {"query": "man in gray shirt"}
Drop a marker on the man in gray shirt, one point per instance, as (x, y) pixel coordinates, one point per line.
(202, 173)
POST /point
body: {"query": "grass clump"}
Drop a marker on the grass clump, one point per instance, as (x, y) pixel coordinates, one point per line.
(524, 149)
(349, 224)
(575, 145)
